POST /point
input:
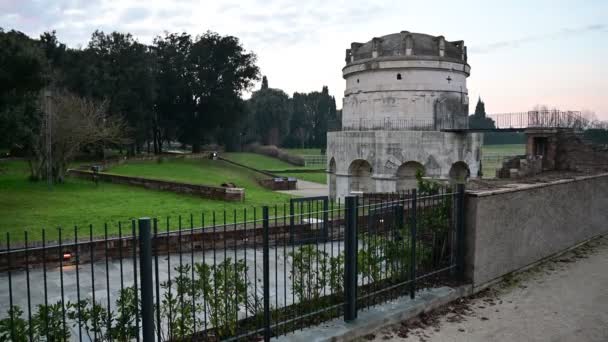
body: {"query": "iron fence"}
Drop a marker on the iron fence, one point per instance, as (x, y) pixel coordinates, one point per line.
(539, 119)
(319, 160)
(215, 278)
(519, 121)
(392, 124)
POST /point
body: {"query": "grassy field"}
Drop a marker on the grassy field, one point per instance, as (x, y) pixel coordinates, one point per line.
(317, 177)
(258, 161)
(30, 206)
(304, 151)
(276, 166)
(492, 153)
(507, 150)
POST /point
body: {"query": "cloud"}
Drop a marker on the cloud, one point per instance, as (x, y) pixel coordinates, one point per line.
(561, 34)
(134, 14)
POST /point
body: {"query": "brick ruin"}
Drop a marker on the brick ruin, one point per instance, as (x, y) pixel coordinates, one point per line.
(555, 150)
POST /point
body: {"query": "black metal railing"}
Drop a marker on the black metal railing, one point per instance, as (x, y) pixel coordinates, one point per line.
(230, 277)
(393, 124)
(539, 119)
(519, 121)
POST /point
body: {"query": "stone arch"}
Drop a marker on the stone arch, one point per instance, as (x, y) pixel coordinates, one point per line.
(459, 172)
(406, 175)
(331, 174)
(360, 176)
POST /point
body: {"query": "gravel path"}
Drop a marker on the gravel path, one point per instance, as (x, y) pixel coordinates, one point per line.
(565, 299)
(307, 189)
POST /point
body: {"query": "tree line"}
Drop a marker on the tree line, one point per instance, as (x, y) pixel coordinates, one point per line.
(300, 121)
(180, 88)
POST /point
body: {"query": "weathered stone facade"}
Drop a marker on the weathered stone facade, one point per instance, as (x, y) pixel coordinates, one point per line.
(401, 91)
(558, 149)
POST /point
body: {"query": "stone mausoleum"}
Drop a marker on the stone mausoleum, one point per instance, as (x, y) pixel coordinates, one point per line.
(405, 108)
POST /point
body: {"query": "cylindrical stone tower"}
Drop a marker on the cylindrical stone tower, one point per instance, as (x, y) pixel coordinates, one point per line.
(405, 101)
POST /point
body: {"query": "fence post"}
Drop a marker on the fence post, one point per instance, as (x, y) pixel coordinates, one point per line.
(266, 276)
(291, 221)
(145, 268)
(413, 245)
(325, 218)
(460, 230)
(350, 262)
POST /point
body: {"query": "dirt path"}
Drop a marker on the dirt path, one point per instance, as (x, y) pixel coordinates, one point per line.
(308, 189)
(562, 300)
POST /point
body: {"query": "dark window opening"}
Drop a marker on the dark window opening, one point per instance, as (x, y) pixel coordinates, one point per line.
(398, 76)
(357, 80)
(540, 146)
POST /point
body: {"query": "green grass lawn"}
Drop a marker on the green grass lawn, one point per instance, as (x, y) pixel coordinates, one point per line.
(317, 177)
(30, 206)
(258, 161)
(507, 150)
(492, 164)
(277, 166)
(262, 162)
(304, 151)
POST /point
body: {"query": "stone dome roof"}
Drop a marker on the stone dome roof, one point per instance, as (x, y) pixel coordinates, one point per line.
(407, 44)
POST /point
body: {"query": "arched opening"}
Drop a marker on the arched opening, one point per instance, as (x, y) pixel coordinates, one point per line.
(331, 174)
(360, 176)
(398, 76)
(459, 173)
(406, 175)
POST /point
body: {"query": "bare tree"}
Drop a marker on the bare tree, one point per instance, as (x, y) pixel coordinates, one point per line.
(75, 122)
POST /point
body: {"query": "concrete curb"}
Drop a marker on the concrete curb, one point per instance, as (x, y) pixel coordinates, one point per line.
(378, 317)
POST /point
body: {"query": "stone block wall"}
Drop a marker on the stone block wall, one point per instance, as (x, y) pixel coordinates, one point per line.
(205, 191)
(511, 228)
(280, 183)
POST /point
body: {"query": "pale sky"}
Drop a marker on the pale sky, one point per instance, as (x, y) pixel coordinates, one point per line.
(521, 53)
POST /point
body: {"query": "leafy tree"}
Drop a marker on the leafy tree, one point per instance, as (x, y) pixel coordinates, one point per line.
(173, 78)
(74, 123)
(312, 113)
(222, 70)
(479, 119)
(270, 111)
(23, 73)
(123, 76)
(181, 87)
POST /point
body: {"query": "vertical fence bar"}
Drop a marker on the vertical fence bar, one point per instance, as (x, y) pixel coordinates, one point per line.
(29, 296)
(10, 286)
(145, 268)
(266, 269)
(460, 230)
(350, 261)
(157, 279)
(325, 218)
(92, 256)
(77, 285)
(135, 286)
(44, 277)
(64, 330)
(413, 245)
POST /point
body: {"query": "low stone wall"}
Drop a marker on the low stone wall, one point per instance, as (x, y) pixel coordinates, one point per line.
(211, 192)
(508, 229)
(197, 239)
(273, 183)
(279, 183)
